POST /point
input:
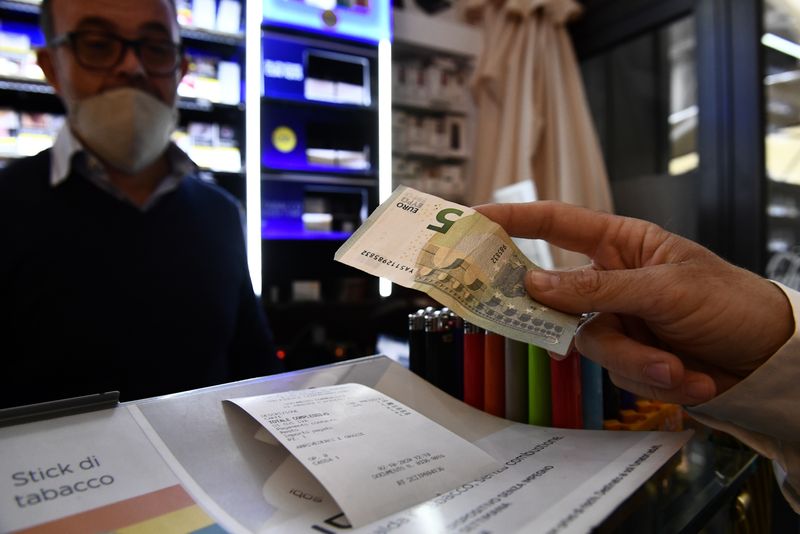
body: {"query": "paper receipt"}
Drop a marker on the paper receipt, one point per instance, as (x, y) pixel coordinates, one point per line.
(374, 455)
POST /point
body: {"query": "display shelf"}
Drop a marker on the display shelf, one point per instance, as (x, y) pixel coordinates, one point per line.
(5, 159)
(431, 113)
(341, 176)
(428, 34)
(340, 326)
(303, 178)
(40, 99)
(29, 85)
(32, 7)
(784, 222)
(319, 104)
(20, 6)
(429, 107)
(784, 187)
(26, 85)
(212, 36)
(27, 95)
(229, 46)
(199, 104)
(292, 189)
(783, 204)
(701, 481)
(339, 237)
(430, 156)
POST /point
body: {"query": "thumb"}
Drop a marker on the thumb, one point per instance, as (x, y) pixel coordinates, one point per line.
(627, 291)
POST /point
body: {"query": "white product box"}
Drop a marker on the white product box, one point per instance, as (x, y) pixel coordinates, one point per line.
(229, 16)
(230, 81)
(204, 14)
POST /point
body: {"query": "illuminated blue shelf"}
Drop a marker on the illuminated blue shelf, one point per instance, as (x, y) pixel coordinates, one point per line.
(320, 103)
(304, 235)
(369, 23)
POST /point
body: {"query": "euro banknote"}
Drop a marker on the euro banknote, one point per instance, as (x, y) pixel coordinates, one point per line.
(461, 259)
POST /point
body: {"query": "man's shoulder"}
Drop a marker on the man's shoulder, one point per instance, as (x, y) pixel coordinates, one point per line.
(25, 175)
(210, 194)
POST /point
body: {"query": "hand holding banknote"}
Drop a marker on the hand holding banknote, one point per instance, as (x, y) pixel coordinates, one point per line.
(677, 322)
(460, 258)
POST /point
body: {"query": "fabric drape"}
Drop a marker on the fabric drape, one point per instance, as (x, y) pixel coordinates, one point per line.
(533, 122)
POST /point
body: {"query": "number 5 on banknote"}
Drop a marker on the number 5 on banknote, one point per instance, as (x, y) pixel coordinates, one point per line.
(442, 218)
(461, 259)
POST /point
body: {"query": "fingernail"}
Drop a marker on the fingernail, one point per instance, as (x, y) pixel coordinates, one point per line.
(543, 281)
(659, 373)
(699, 390)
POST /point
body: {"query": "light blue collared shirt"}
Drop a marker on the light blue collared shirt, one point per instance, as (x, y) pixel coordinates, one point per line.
(69, 154)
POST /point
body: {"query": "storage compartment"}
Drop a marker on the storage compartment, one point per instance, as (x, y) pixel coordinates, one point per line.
(295, 209)
(297, 138)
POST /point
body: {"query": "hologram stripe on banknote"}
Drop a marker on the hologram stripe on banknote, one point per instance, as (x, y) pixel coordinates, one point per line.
(461, 259)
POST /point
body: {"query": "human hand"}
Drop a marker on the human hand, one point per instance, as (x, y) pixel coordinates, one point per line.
(675, 323)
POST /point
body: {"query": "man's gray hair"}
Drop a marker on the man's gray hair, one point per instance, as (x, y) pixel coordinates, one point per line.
(46, 18)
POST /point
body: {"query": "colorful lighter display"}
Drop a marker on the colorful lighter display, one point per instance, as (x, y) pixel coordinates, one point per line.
(522, 382)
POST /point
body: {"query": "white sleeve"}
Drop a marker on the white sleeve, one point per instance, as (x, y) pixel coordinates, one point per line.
(763, 410)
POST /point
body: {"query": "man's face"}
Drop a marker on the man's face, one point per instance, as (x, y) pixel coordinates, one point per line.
(130, 19)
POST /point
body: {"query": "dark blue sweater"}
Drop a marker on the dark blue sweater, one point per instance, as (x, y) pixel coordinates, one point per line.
(96, 295)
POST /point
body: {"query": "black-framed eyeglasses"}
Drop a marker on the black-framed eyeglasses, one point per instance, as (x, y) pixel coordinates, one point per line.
(100, 50)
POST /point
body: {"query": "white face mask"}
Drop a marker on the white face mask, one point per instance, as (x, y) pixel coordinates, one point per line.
(127, 128)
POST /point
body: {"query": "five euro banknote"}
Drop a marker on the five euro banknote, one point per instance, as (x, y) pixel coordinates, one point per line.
(461, 259)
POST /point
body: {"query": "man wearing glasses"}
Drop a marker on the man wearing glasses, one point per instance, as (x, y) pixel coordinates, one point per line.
(120, 270)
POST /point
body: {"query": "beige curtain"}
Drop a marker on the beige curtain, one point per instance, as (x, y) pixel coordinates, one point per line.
(533, 122)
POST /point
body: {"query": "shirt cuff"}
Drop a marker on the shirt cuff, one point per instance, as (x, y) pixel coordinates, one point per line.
(766, 401)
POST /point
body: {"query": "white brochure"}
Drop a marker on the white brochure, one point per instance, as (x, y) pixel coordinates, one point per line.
(373, 454)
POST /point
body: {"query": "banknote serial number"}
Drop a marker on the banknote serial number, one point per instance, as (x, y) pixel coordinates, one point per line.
(387, 262)
(497, 255)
